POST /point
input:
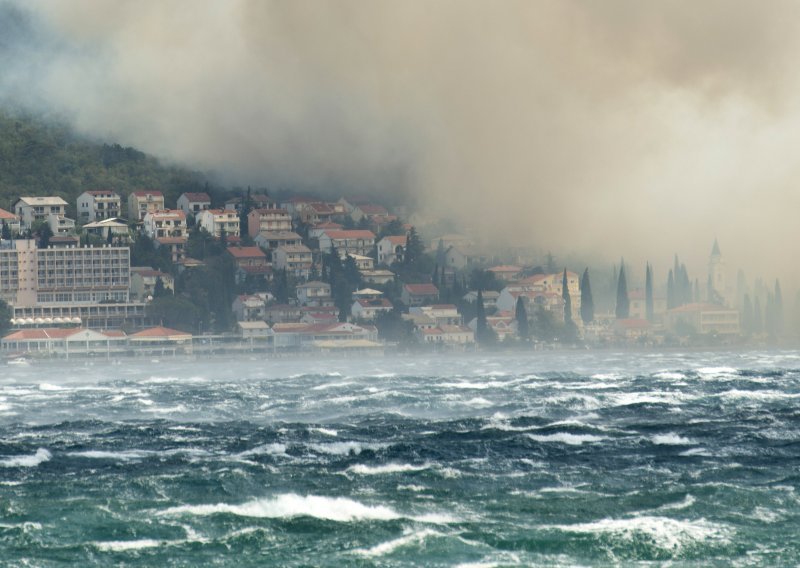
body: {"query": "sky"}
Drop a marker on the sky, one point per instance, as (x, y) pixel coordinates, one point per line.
(616, 129)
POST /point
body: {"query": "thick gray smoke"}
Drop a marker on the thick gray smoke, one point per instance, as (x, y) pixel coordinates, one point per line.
(622, 127)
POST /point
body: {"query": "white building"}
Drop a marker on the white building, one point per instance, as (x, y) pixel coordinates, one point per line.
(314, 293)
(142, 202)
(296, 260)
(98, 205)
(193, 203)
(369, 309)
(215, 221)
(165, 223)
(391, 249)
(33, 209)
(348, 242)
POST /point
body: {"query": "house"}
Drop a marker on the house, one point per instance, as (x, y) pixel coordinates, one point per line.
(283, 313)
(250, 261)
(10, 220)
(257, 201)
(255, 331)
(64, 241)
(316, 212)
(363, 262)
(419, 321)
(144, 279)
(367, 294)
(31, 210)
(348, 242)
(368, 210)
(489, 298)
(175, 245)
(638, 305)
(60, 225)
(379, 277)
(294, 205)
(702, 318)
(263, 220)
(114, 226)
(631, 329)
(140, 203)
(250, 307)
(314, 293)
(447, 335)
(160, 339)
(463, 258)
(532, 298)
(368, 309)
(442, 314)
(193, 203)
(316, 231)
(296, 260)
(317, 317)
(270, 240)
(391, 249)
(164, 223)
(503, 324)
(218, 221)
(97, 205)
(419, 294)
(506, 272)
(64, 340)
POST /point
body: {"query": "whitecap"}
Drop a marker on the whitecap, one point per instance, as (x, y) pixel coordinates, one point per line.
(290, 505)
(266, 449)
(669, 375)
(126, 545)
(666, 533)
(672, 439)
(567, 438)
(124, 455)
(41, 456)
(687, 502)
(389, 468)
(345, 448)
(326, 431)
(410, 538)
(50, 387)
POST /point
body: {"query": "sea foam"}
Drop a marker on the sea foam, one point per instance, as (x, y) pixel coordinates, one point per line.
(39, 457)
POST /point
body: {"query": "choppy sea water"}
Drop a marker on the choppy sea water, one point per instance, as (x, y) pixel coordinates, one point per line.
(677, 459)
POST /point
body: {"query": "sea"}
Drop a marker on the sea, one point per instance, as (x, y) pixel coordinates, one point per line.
(578, 458)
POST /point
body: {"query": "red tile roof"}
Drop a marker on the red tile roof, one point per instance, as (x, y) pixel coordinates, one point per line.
(246, 252)
(372, 209)
(193, 197)
(351, 234)
(422, 289)
(161, 332)
(7, 215)
(397, 239)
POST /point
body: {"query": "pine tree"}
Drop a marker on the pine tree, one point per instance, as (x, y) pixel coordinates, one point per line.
(587, 303)
(441, 254)
(623, 303)
(567, 299)
(6, 232)
(414, 248)
(747, 315)
(521, 316)
(648, 293)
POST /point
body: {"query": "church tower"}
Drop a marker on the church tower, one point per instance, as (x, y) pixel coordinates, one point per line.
(717, 288)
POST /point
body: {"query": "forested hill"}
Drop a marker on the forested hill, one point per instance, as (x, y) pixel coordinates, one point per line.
(46, 158)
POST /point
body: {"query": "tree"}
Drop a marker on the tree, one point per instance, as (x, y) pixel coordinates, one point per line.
(567, 300)
(414, 248)
(6, 232)
(159, 289)
(177, 312)
(747, 315)
(45, 234)
(6, 313)
(671, 291)
(441, 254)
(758, 323)
(648, 293)
(481, 328)
(778, 307)
(587, 303)
(521, 315)
(351, 273)
(623, 303)
(550, 263)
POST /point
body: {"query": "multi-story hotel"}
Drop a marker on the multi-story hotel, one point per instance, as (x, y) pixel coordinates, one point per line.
(91, 283)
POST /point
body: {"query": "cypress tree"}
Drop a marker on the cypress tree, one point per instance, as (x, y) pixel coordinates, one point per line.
(671, 291)
(6, 233)
(587, 303)
(567, 299)
(758, 323)
(521, 315)
(778, 308)
(623, 303)
(747, 315)
(648, 293)
(481, 329)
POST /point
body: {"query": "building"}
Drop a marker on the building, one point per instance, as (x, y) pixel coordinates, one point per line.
(271, 240)
(419, 294)
(250, 307)
(363, 263)
(296, 260)
(379, 277)
(503, 324)
(60, 225)
(90, 283)
(392, 249)
(506, 272)
(316, 231)
(451, 335)
(257, 201)
(442, 314)
(165, 223)
(631, 329)
(348, 242)
(101, 229)
(719, 289)
(64, 341)
(489, 298)
(317, 212)
(161, 339)
(254, 331)
(140, 203)
(250, 261)
(314, 293)
(144, 280)
(194, 203)
(10, 220)
(175, 245)
(31, 210)
(702, 318)
(97, 205)
(368, 210)
(368, 309)
(217, 221)
(638, 306)
(262, 220)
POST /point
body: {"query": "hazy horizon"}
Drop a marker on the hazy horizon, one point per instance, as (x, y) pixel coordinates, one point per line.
(621, 129)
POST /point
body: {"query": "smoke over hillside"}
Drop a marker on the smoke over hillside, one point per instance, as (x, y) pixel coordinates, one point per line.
(626, 127)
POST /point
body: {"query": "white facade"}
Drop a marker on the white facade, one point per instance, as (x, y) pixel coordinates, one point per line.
(165, 223)
(391, 249)
(193, 203)
(98, 205)
(296, 260)
(347, 242)
(33, 209)
(215, 221)
(140, 203)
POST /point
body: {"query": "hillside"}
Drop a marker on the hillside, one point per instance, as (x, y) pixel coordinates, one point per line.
(48, 158)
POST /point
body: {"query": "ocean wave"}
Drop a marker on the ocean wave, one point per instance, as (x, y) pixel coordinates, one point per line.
(128, 545)
(266, 449)
(410, 538)
(664, 532)
(291, 505)
(386, 469)
(669, 375)
(672, 439)
(41, 456)
(567, 438)
(345, 448)
(687, 502)
(124, 455)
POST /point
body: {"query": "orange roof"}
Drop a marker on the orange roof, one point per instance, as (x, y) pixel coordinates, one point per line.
(197, 197)
(397, 239)
(351, 234)
(505, 268)
(7, 215)
(372, 209)
(246, 252)
(422, 289)
(160, 332)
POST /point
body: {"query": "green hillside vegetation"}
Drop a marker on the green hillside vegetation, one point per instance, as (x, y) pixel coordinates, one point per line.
(41, 158)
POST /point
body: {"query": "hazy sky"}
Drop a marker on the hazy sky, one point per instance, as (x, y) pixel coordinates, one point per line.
(637, 129)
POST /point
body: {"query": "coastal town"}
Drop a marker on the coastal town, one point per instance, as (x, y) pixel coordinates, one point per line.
(116, 274)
